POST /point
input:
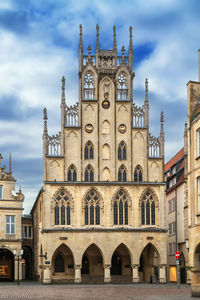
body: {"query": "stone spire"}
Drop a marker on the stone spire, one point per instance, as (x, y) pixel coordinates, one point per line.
(10, 164)
(114, 40)
(130, 51)
(146, 105)
(123, 52)
(63, 104)
(97, 40)
(45, 118)
(80, 51)
(162, 136)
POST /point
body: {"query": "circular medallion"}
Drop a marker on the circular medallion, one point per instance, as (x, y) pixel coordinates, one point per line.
(122, 128)
(105, 104)
(89, 128)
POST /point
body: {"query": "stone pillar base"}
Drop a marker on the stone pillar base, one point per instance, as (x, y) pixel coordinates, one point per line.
(78, 280)
(46, 281)
(195, 290)
(107, 280)
(136, 280)
(163, 280)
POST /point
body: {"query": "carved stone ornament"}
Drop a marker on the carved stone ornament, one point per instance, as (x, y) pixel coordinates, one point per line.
(105, 104)
(122, 128)
(89, 128)
(106, 87)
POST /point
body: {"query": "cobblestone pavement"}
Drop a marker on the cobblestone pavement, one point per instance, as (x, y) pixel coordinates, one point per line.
(94, 292)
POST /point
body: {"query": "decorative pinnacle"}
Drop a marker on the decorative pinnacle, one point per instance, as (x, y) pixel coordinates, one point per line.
(80, 39)
(130, 40)
(146, 89)
(162, 117)
(123, 50)
(185, 130)
(114, 39)
(63, 91)
(97, 42)
(10, 164)
(89, 50)
(45, 118)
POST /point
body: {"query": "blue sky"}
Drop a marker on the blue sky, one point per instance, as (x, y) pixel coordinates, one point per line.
(39, 44)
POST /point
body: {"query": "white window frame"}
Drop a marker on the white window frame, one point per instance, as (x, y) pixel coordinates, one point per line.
(1, 192)
(198, 195)
(10, 223)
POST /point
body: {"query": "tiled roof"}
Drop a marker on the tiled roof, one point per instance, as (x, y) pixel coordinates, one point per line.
(174, 159)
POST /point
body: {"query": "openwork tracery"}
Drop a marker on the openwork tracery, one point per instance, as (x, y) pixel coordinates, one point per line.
(62, 208)
(54, 144)
(148, 208)
(92, 208)
(88, 92)
(138, 173)
(122, 151)
(122, 174)
(121, 208)
(122, 92)
(138, 115)
(89, 150)
(89, 173)
(154, 146)
(72, 115)
(72, 174)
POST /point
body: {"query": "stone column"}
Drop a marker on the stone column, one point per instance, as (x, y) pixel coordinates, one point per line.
(162, 273)
(47, 274)
(78, 278)
(107, 277)
(15, 268)
(136, 278)
(195, 282)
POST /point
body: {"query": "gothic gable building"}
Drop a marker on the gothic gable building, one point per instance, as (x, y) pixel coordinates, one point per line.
(100, 215)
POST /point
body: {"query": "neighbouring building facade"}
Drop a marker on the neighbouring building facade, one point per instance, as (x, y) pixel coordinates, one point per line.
(175, 214)
(11, 207)
(100, 215)
(193, 181)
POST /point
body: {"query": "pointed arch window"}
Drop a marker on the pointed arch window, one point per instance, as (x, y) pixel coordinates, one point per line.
(89, 174)
(92, 208)
(138, 174)
(148, 213)
(88, 90)
(122, 151)
(121, 208)
(89, 151)
(122, 174)
(122, 91)
(62, 208)
(72, 174)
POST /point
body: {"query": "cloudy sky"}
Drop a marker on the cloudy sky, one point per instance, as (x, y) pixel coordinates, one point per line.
(39, 44)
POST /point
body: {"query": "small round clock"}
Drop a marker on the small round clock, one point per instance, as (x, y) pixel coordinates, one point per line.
(122, 128)
(89, 128)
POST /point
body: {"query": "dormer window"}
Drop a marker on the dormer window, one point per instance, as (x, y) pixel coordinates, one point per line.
(88, 93)
(122, 91)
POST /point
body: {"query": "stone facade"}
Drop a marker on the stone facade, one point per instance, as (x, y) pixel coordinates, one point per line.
(100, 215)
(11, 207)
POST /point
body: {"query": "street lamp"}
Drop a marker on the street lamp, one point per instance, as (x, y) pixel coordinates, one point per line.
(18, 257)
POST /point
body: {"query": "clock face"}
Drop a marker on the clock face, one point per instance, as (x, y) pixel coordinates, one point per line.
(122, 128)
(105, 104)
(89, 128)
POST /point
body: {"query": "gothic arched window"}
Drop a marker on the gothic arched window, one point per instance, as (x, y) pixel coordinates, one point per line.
(89, 173)
(92, 208)
(71, 174)
(88, 86)
(62, 208)
(122, 91)
(121, 208)
(138, 174)
(122, 173)
(89, 150)
(122, 151)
(148, 209)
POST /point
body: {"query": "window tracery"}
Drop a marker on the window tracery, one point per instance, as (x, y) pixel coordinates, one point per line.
(72, 174)
(121, 208)
(154, 146)
(148, 209)
(54, 144)
(122, 151)
(71, 115)
(122, 174)
(89, 150)
(138, 174)
(89, 174)
(122, 92)
(92, 208)
(62, 208)
(138, 115)
(88, 86)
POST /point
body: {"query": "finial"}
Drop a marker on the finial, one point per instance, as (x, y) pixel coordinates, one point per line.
(81, 39)
(123, 52)
(162, 117)
(45, 118)
(146, 90)
(130, 39)
(10, 164)
(185, 130)
(1, 157)
(63, 92)
(89, 53)
(97, 41)
(114, 39)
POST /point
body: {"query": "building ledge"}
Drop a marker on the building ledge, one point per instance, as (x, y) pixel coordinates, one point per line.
(101, 229)
(93, 183)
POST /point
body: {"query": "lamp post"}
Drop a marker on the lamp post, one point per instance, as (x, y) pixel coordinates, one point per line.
(18, 258)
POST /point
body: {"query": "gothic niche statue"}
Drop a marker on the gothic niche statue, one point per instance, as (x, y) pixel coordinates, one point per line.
(106, 88)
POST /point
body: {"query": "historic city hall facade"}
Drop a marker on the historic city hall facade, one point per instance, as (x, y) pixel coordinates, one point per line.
(100, 215)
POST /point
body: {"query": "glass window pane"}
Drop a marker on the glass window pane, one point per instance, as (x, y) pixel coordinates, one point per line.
(86, 215)
(124, 153)
(115, 214)
(126, 213)
(68, 215)
(143, 213)
(74, 175)
(62, 215)
(97, 215)
(120, 213)
(92, 215)
(12, 219)
(91, 176)
(153, 213)
(124, 175)
(12, 228)
(69, 177)
(56, 215)
(148, 213)
(7, 228)
(7, 219)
